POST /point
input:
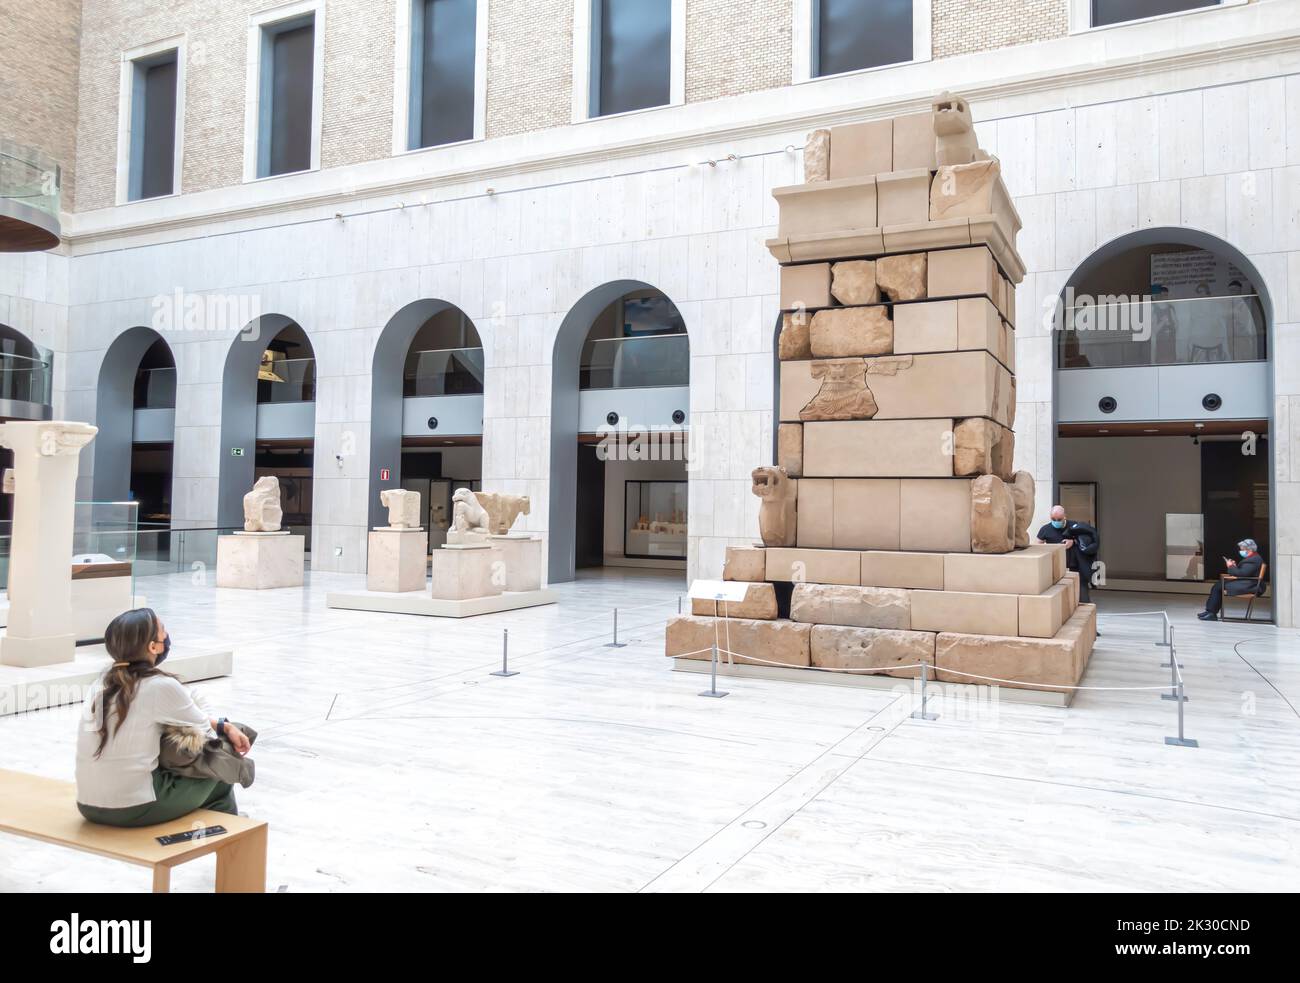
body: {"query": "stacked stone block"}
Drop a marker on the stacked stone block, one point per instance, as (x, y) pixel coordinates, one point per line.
(894, 528)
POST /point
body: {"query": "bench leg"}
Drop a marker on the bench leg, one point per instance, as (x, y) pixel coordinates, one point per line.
(241, 866)
(162, 879)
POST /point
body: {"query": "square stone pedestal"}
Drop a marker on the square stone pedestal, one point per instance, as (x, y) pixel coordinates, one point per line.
(44, 650)
(396, 560)
(461, 572)
(260, 560)
(522, 555)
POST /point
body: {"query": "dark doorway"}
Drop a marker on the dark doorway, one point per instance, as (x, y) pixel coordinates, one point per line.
(589, 527)
(1234, 493)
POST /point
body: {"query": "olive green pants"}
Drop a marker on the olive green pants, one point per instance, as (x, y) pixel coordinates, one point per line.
(175, 797)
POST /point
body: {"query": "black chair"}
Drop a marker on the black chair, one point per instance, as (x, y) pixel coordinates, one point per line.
(1261, 587)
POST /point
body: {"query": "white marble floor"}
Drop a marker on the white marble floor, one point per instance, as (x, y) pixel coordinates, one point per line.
(390, 760)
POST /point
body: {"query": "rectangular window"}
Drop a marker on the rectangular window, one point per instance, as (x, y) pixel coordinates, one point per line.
(854, 34)
(285, 98)
(631, 58)
(443, 53)
(153, 126)
(1107, 12)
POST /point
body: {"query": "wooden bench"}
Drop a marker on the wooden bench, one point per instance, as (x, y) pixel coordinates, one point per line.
(46, 809)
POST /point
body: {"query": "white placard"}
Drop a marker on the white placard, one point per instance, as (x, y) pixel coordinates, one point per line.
(718, 590)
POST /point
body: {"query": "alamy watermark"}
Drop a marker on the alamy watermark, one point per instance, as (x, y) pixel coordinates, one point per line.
(1128, 313)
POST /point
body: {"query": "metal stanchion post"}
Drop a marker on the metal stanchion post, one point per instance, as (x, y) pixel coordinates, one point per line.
(923, 714)
(1172, 657)
(1164, 633)
(615, 644)
(1175, 681)
(713, 692)
(1181, 740)
(679, 603)
(505, 650)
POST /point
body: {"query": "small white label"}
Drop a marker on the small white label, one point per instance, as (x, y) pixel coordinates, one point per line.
(718, 590)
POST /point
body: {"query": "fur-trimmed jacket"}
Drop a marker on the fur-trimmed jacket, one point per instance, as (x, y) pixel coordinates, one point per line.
(190, 753)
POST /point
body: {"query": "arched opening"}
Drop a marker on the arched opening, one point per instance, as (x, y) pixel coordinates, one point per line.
(426, 416)
(620, 411)
(1163, 407)
(135, 410)
(268, 420)
(26, 385)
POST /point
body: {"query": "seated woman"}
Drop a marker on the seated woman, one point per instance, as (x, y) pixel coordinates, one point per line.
(119, 782)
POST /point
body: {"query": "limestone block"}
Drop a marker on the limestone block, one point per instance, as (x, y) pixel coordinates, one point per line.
(1019, 572)
(783, 642)
(1022, 495)
(934, 515)
(805, 286)
(1041, 615)
(886, 568)
(961, 272)
(793, 341)
(745, 563)
(834, 647)
(975, 614)
(759, 603)
(964, 189)
(502, 510)
(1072, 581)
(1004, 452)
(1068, 599)
(814, 566)
(1009, 345)
(817, 156)
(929, 326)
(826, 206)
(878, 449)
(403, 508)
(799, 387)
(954, 130)
(903, 277)
(914, 143)
(1020, 661)
(903, 197)
(854, 282)
(778, 494)
(396, 559)
(262, 512)
(979, 326)
(842, 392)
(992, 516)
(260, 560)
(848, 331)
(866, 513)
(1054, 550)
(789, 448)
(816, 513)
(1006, 295)
(834, 244)
(459, 573)
(974, 440)
(861, 149)
(521, 561)
(912, 237)
(860, 607)
(1081, 630)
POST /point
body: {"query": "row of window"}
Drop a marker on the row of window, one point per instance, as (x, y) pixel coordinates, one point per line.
(630, 68)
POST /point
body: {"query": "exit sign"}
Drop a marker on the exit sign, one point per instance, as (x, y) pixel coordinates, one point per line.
(384, 474)
(236, 452)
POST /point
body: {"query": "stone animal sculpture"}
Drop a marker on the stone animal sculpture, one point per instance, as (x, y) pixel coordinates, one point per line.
(779, 494)
(469, 520)
(262, 512)
(403, 508)
(954, 131)
(502, 510)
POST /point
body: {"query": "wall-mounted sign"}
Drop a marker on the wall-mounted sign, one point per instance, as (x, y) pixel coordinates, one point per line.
(236, 452)
(384, 474)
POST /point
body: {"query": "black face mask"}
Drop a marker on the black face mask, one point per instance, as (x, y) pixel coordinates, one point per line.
(167, 647)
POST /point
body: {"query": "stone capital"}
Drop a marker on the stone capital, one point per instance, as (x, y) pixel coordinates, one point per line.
(46, 438)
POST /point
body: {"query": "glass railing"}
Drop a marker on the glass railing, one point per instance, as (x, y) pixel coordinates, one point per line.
(443, 372)
(30, 176)
(26, 378)
(155, 389)
(103, 540)
(1165, 332)
(635, 363)
(289, 380)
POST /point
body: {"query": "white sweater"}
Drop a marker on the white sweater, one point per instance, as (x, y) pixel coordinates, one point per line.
(123, 775)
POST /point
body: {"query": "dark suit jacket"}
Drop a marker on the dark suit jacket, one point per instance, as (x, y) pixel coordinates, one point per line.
(1247, 573)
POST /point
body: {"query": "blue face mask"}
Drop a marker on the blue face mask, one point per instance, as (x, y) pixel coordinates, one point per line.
(167, 647)
(1058, 523)
(1243, 553)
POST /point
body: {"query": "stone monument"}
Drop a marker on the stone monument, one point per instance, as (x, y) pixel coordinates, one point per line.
(397, 556)
(482, 521)
(894, 527)
(263, 555)
(44, 480)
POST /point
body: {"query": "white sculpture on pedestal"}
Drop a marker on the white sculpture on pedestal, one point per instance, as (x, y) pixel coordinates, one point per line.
(403, 508)
(262, 512)
(44, 480)
(469, 520)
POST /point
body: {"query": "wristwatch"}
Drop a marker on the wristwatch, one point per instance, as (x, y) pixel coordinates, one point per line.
(221, 727)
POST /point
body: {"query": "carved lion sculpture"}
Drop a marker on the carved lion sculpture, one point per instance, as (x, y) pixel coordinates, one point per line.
(954, 133)
(776, 516)
(502, 510)
(469, 520)
(262, 512)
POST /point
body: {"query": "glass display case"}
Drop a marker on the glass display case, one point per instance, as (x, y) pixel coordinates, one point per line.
(654, 520)
(1184, 546)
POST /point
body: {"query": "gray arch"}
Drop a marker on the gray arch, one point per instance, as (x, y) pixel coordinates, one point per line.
(115, 412)
(386, 395)
(239, 414)
(565, 357)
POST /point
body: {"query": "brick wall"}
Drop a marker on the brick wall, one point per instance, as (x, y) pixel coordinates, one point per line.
(735, 46)
(963, 26)
(530, 65)
(38, 80)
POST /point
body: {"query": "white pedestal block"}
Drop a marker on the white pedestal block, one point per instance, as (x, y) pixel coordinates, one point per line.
(260, 560)
(432, 607)
(462, 572)
(522, 556)
(396, 560)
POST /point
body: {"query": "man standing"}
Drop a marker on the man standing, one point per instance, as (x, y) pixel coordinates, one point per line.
(1242, 579)
(1081, 541)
